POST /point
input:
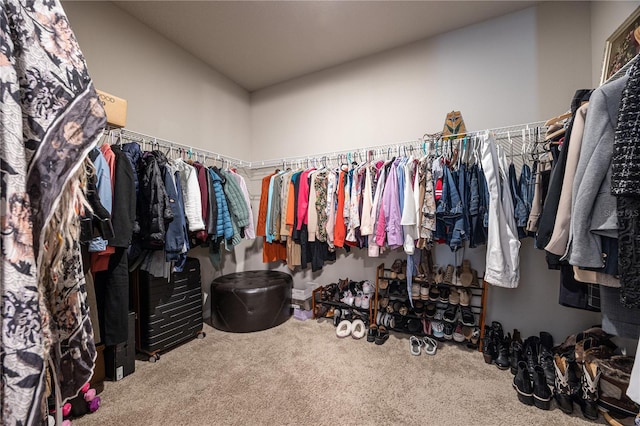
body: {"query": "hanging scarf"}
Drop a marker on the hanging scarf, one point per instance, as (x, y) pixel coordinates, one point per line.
(50, 118)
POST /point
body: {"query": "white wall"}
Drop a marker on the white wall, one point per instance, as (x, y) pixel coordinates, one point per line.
(171, 94)
(606, 17)
(509, 70)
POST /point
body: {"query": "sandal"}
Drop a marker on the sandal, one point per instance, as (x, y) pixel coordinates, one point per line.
(466, 276)
(415, 345)
(382, 336)
(430, 345)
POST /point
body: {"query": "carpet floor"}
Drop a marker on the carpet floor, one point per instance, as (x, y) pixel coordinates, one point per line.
(301, 373)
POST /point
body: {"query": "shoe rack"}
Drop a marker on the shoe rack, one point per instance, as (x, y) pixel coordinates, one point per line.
(321, 306)
(397, 295)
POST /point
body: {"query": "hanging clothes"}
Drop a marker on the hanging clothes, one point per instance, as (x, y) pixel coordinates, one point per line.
(594, 213)
(625, 184)
(503, 245)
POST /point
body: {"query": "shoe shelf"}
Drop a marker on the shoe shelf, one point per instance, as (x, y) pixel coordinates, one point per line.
(317, 302)
(397, 295)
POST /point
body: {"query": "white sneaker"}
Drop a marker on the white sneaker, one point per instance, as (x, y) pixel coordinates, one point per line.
(437, 328)
(364, 303)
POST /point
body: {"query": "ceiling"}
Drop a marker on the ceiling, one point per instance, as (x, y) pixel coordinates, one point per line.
(261, 43)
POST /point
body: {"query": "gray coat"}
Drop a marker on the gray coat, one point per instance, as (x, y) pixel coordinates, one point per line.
(594, 212)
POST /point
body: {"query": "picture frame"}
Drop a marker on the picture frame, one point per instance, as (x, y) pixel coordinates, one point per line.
(622, 46)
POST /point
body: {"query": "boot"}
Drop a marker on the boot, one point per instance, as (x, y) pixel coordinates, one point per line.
(541, 391)
(502, 360)
(562, 389)
(589, 390)
(496, 328)
(515, 356)
(488, 348)
(522, 384)
(545, 356)
(531, 353)
(516, 336)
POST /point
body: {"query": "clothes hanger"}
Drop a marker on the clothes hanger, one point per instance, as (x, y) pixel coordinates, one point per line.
(558, 119)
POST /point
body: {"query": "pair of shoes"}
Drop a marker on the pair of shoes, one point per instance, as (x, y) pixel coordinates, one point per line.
(396, 268)
(532, 389)
(451, 314)
(429, 345)
(458, 333)
(386, 319)
(382, 335)
(424, 291)
(474, 338)
(434, 293)
(415, 291)
(467, 316)
(362, 300)
(355, 329)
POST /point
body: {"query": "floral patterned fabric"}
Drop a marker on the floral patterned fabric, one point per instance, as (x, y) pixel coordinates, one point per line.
(50, 118)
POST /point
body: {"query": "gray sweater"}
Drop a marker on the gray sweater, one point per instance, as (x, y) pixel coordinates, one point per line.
(594, 212)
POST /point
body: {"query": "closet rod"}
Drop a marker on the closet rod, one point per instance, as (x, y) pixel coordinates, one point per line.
(416, 145)
(133, 136)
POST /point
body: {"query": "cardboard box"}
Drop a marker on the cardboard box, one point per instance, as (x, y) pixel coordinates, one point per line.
(115, 107)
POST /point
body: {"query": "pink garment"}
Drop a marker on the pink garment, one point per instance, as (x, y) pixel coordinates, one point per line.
(303, 199)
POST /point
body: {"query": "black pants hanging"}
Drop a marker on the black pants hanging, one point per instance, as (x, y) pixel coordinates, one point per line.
(112, 295)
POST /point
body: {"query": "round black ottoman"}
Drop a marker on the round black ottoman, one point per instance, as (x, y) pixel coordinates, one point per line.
(250, 301)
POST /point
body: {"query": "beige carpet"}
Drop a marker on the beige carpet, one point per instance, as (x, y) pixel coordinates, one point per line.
(301, 373)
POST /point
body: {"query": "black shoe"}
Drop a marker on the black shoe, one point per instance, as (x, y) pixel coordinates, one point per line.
(562, 389)
(451, 313)
(531, 353)
(448, 330)
(515, 356)
(496, 329)
(541, 391)
(502, 361)
(468, 318)
(522, 384)
(372, 333)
